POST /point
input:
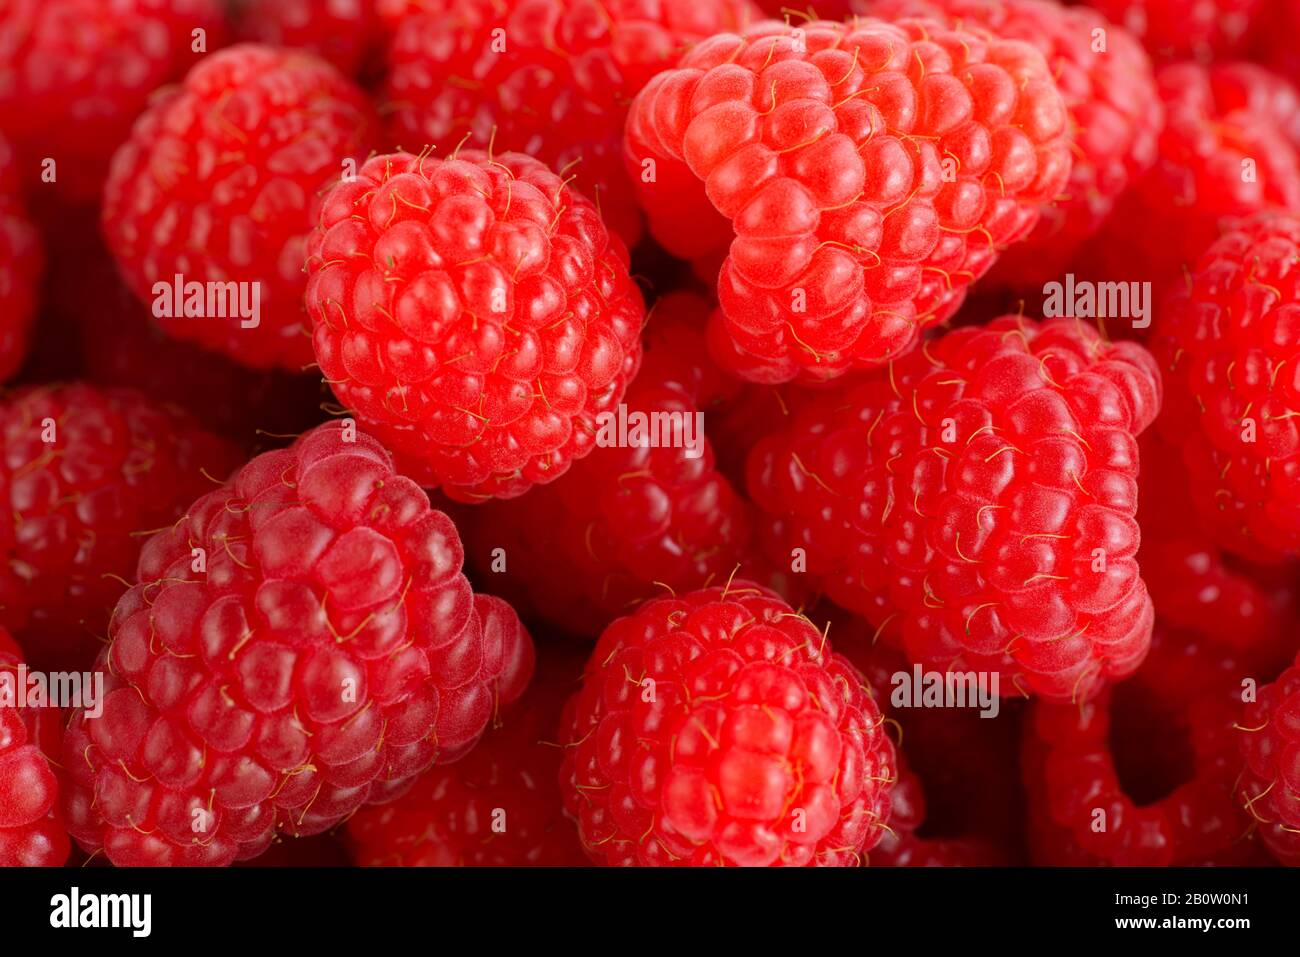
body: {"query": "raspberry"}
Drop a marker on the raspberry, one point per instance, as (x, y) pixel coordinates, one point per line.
(32, 833)
(862, 175)
(475, 315)
(302, 642)
(904, 847)
(1175, 806)
(1186, 29)
(1269, 738)
(215, 185)
(498, 807)
(627, 523)
(1227, 345)
(1219, 159)
(1113, 108)
(976, 501)
(345, 33)
(20, 267)
(83, 471)
(718, 728)
(551, 78)
(75, 73)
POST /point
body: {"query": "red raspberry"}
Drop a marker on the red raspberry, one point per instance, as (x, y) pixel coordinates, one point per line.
(498, 807)
(1269, 738)
(74, 74)
(475, 315)
(1219, 158)
(345, 33)
(551, 78)
(1114, 111)
(216, 182)
(20, 267)
(862, 175)
(83, 472)
(718, 728)
(1186, 29)
(976, 501)
(1228, 347)
(1160, 770)
(626, 524)
(32, 833)
(302, 642)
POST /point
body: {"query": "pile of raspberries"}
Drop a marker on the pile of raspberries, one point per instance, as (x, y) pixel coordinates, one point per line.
(649, 432)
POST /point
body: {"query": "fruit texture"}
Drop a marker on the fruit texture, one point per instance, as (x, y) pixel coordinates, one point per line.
(83, 472)
(215, 185)
(857, 178)
(74, 74)
(1227, 345)
(302, 642)
(1115, 114)
(32, 833)
(976, 500)
(1269, 739)
(345, 33)
(551, 78)
(718, 728)
(20, 267)
(1187, 29)
(474, 314)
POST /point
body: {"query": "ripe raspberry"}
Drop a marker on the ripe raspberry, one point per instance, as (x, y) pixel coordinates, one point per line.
(718, 728)
(1228, 348)
(32, 833)
(1186, 29)
(1113, 107)
(302, 642)
(74, 74)
(863, 175)
(1269, 740)
(346, 33)
(627, 523)
(215, 185)
(83, 471)
(1169, 802)
(498, 807)
(976, 501)
(551, 78)
(1219, 159)
(475, 315)
(20, 267)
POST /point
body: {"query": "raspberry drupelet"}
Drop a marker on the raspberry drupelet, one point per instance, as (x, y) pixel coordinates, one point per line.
(1201, 30)
(216, 185)
(1228, 344)
(550, 78)
(474, 314)
(303, 641)
(857, 178)
(1269, 741)
(718, 728)
(21, 259)
(976, 501)
(32, 832)
(83, 472)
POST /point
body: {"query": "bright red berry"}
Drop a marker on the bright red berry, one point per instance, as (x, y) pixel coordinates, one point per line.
(718, 728)
(20, 267)
(74, 74)
(551, 78)
(1187, 29)
(474, 314)
(346, 33)
(1269, 739)
(976, 501)
(32, 832)
(216, 185)
(83, 472)
(301, 643)
(858, 177)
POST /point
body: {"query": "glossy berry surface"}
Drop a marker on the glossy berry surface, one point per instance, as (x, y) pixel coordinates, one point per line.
(216, 185)
(345, 33)
(1269, 741)
(976, 501)
(21, 258)
(301, 643)
(551, 78)
(718, 728)
(857, 177)
(32, 833)
(1187, 29)
(83, 472)
(474, 314)
(1228, 344)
